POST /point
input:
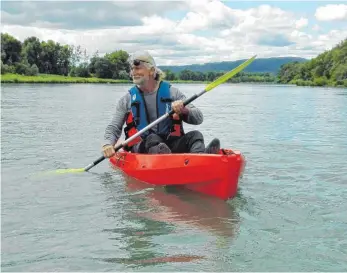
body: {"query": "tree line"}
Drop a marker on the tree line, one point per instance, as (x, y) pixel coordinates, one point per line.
(48, 57)
(188, 75)
(33, 57)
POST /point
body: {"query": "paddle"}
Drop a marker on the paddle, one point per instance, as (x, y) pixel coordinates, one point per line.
(208, 88)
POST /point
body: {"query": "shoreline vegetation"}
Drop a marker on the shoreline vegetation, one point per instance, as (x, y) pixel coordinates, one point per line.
(35, 61)
(50, 78)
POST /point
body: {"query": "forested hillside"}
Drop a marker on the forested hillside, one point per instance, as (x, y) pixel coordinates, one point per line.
(328, 68)
(260, 65)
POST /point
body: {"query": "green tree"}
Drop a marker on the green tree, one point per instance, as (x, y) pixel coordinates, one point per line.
(340, 72)
(119, 61)
(169, 75)
(103, 68)
(10, 49)
(31, 50)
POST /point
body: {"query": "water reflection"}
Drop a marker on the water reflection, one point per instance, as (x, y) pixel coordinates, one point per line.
(184, 208)
(143, 214)
(131, 234)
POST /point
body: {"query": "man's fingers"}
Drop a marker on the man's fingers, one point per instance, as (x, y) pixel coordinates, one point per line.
(177, 109)
(108, 151)
(177, 106)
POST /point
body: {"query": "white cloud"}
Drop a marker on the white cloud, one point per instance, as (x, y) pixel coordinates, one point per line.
(156, 25)
(207, 14)
(333, 37)
(77, 14)
(256, 23)
(224, 34)
(302, 22)
(331, 12)
(316, 27)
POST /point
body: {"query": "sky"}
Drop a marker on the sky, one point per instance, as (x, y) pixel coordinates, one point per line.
(183, 32)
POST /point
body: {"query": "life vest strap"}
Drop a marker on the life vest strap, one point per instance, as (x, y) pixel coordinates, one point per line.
(176, 126)
(131, 130)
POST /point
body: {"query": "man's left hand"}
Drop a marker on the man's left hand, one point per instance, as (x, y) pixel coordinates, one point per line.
(179, 108)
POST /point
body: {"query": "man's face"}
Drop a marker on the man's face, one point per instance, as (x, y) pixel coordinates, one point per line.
(140, 73)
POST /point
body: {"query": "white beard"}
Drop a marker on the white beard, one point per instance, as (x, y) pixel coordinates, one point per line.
(139, 81)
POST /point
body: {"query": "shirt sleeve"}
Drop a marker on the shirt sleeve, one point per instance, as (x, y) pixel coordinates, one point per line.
(114, 129)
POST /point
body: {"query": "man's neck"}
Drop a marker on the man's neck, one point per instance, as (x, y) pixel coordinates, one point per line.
(149, 86)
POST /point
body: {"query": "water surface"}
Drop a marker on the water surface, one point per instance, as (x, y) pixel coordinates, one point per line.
(289, 215)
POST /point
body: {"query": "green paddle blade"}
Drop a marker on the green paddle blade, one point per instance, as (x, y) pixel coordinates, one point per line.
(70, 170)
(230, 74)
(59, 171)
(66, 171)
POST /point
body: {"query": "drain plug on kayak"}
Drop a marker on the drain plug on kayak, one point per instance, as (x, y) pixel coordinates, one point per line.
(186, 162)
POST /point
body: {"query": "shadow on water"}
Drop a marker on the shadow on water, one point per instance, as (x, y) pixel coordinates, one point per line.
(150, 212)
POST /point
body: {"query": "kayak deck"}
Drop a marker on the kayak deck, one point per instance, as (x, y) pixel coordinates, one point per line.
(211, 174)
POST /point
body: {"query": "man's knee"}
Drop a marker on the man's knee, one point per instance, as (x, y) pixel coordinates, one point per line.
(195, 135)
(152, 140)
(195, 142)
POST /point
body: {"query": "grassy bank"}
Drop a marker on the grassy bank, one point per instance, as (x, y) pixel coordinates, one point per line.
(47, 78)
(320, 82)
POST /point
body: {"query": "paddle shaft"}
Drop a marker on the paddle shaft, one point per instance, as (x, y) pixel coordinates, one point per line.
(149, 126)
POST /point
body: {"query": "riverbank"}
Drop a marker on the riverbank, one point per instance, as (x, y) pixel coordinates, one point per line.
(49, 78)
(46, 78)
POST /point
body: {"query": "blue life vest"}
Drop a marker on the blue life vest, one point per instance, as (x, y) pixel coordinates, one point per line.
(141, 117)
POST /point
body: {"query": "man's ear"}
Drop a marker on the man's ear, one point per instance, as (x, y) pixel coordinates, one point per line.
(152, 71)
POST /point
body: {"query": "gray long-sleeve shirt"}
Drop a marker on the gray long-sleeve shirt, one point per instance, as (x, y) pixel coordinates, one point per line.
(114, 129)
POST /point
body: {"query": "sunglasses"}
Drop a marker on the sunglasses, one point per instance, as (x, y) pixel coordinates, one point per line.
(138, 62)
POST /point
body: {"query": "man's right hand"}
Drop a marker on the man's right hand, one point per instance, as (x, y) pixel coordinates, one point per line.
(108, 151)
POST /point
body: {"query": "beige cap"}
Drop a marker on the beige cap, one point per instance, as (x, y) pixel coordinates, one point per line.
(143, 56)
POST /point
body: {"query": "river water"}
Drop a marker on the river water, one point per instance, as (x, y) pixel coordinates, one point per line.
(289, 214)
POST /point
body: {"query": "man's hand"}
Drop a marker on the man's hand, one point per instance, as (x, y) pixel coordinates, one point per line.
(179, 108)
(108, 150)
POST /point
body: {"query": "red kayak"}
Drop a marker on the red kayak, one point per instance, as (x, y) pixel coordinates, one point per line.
(211, 174)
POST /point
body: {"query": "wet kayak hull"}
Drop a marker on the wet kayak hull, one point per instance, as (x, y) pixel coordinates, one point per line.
(211, 174)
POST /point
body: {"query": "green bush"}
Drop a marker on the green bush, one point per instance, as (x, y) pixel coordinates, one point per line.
(80, 71)
(123, 75)
(7, 68)
(321, 81)
(33, 71)
(24, 69)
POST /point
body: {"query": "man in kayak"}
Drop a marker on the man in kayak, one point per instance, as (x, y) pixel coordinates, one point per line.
(149, 99)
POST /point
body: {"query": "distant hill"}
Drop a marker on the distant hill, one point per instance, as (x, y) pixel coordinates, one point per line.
(260, 65)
